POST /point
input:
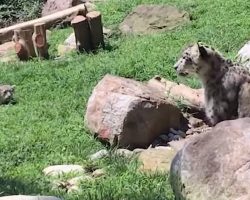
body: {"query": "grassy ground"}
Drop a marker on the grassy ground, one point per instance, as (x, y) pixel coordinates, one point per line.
(46, 126)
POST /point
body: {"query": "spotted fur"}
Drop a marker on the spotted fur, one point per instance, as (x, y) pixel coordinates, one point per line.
(225, 83)
(6, 93)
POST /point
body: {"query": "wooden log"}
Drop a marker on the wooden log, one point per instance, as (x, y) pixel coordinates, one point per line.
(49, 20)
(82, 33)
(96, 29)
(23, 44)
(40, 41)
(191, 98)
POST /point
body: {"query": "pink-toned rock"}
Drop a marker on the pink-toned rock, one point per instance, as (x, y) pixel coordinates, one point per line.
(52, 6)
(129, 113)
(7, 52)
(214, 165)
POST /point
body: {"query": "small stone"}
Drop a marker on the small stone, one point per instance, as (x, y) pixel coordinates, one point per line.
(26, 197)
(124, 152)
(98, 155)
(71, 40)
(195, 122)
(156, 159)
(98, 173)
(65, 49)
(57, 170)
(163, 137)
(174, 131)
(106, 31)
(182, 134)
(170, 136)
(177, 137)
(156, 142)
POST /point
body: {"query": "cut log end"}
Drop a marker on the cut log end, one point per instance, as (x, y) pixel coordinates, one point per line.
(78, 19)
(93, 14)
(39, 41)
(21, 51)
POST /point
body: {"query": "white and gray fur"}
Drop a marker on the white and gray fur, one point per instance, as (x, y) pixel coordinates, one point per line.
(225, 83)
(6, 93)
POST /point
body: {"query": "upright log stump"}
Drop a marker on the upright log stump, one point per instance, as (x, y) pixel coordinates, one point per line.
(96, 29)
(82, 33)
(23, 44)
(40, 41)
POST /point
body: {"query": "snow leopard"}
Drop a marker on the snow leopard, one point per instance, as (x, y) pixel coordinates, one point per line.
(226, 84)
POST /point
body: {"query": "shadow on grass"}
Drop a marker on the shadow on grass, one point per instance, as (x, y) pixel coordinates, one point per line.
(15, 187)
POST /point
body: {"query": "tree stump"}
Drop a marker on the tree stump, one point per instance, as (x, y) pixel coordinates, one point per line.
(40, 41)
(23, 44)
(82, 33)
(96, 29)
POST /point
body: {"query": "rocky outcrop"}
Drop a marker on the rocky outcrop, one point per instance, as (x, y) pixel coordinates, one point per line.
(214, 165)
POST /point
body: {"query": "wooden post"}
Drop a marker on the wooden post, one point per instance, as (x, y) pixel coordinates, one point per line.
(96, 29)
(20, 45)
(40, 41)
(23, 44)
(82, 33)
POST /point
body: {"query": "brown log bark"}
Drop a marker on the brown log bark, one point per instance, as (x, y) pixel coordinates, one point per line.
(23, 44)
(191, 98)
(49, 20)
(40, 41)
(82, 33)
(96, 29)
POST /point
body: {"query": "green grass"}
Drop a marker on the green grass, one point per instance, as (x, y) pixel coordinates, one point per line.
(46, 127)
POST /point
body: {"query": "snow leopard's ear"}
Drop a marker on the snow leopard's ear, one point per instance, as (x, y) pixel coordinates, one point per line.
(202, 50)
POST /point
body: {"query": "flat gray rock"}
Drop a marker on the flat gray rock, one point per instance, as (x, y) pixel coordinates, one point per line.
(146, 19)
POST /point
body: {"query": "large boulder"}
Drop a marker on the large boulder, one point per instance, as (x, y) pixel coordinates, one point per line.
(129, 113)
(7, 52)
(146, 19)
(243, 55)
(214, 165)
(52, 6)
